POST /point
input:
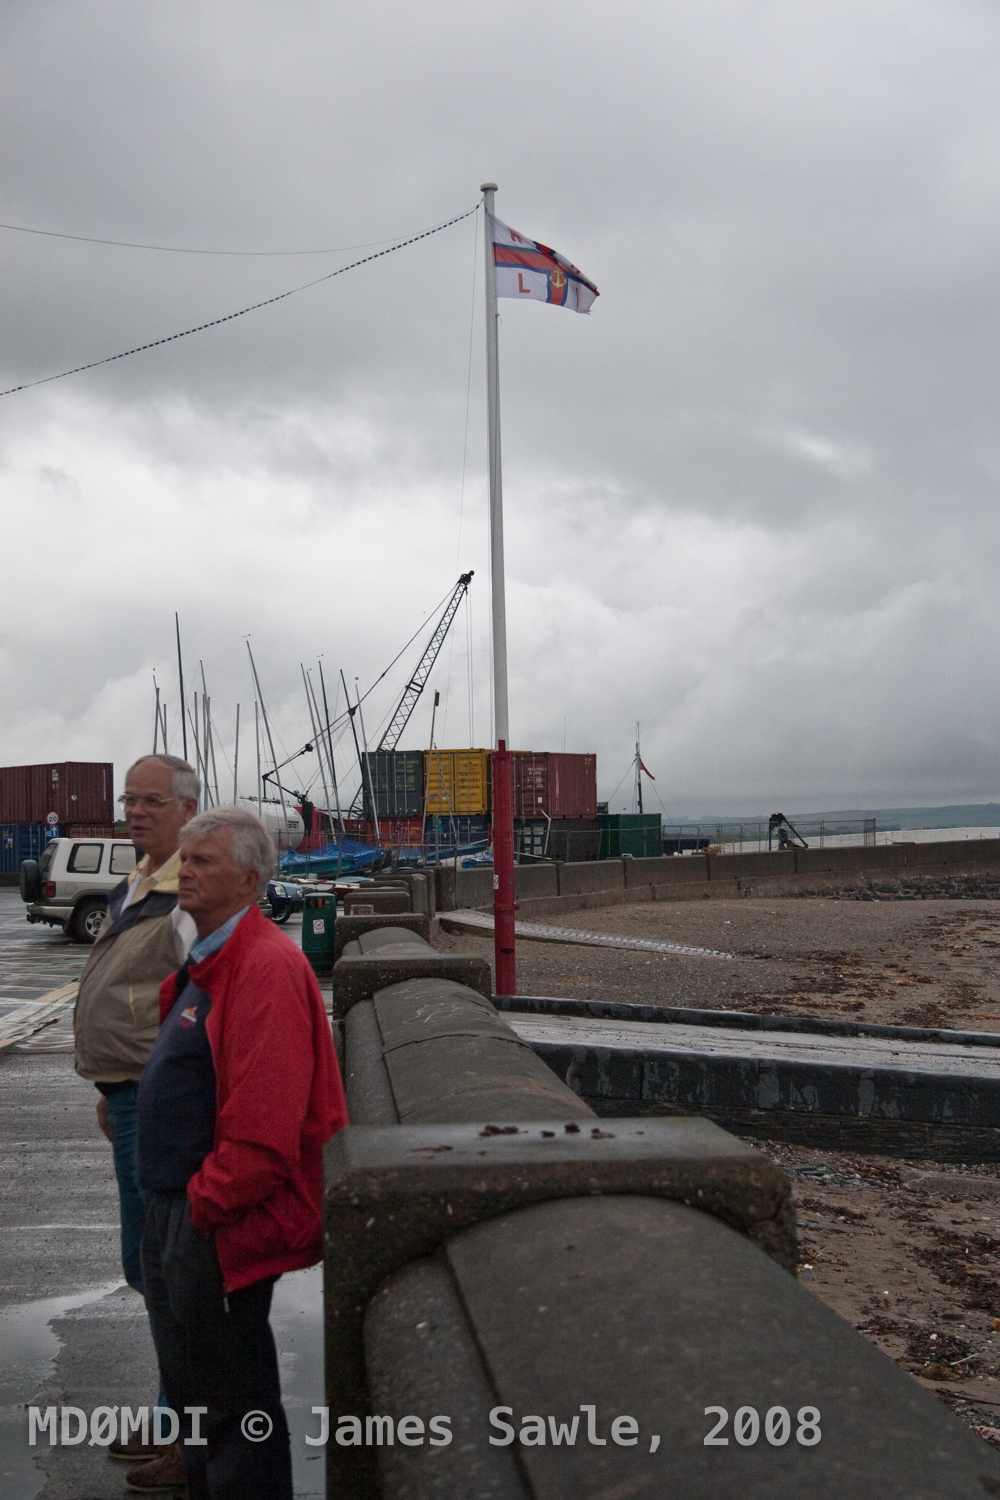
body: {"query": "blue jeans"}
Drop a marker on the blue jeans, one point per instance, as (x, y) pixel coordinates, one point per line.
(134, 1201)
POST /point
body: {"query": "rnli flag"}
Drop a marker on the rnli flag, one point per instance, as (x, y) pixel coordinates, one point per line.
(525, 268)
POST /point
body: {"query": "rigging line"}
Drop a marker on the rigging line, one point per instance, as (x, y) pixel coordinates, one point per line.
(214, 322)
(660, 801)
(631, 768)
(409, 643)
(88, 239)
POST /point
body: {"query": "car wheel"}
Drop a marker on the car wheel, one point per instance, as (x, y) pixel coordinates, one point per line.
(87, 919)
(280, 911)
(30, 881)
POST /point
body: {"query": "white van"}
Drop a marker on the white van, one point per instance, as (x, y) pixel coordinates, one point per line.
(69, 885)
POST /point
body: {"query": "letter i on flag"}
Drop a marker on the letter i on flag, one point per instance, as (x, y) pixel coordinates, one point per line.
(526, 268)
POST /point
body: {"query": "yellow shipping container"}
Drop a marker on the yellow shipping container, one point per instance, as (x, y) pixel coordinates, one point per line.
(457, 782)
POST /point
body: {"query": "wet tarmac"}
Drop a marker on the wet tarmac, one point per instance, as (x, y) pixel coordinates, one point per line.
(71, 1332)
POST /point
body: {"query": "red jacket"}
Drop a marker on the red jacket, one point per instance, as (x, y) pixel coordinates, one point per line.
(279, 1096)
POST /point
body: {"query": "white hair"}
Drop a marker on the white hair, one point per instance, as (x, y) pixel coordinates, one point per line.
(252, 846)
(185, 786)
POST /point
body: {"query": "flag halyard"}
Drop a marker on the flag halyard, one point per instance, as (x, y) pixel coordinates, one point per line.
(527, 268)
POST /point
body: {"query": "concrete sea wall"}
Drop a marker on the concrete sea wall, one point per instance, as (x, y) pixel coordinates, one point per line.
(966, 867)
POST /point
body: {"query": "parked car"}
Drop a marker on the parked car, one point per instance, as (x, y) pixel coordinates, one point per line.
(284, 897)
(69, 884)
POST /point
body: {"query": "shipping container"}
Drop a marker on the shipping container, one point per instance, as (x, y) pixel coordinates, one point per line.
(570, 839)
(76, 791)
(398, 833)
(20, 841)
(461, 831)
(553, 785)
(457, 782)
(638, 834)
(405, 833)
(397, 777)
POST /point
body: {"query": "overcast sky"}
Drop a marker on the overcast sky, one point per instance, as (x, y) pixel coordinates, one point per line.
(750, 500)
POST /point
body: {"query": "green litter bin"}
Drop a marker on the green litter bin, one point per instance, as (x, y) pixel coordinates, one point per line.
(319, 914)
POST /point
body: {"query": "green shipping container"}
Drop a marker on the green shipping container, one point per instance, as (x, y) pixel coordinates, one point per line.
(638, 834)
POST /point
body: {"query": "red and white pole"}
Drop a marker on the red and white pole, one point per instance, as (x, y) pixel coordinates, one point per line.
(504, 904)
(503, 779)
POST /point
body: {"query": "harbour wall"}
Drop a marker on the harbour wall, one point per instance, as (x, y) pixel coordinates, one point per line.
(965, 867)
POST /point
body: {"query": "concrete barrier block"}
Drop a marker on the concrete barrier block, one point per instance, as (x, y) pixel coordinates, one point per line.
(451, 1057)
(855, 864)
(533, 881)
(397, 1193)
(721, 1328)
(643, 872)
(770, 866)
(348, 929)
(385, 900)
(953, 856)
(360, 976)
(366, 1082)
(684, 870)
(585, 879)
(459, 889)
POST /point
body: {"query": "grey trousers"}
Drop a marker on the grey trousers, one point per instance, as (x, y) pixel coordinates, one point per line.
(215, 1352)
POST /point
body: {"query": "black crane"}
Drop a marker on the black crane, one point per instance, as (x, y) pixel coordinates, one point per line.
(418, 681)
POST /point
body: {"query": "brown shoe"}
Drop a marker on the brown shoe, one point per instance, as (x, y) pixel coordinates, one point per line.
(135, 1451)
(165, 1475)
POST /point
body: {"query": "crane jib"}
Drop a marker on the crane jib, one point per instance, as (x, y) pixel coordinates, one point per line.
(418, 681)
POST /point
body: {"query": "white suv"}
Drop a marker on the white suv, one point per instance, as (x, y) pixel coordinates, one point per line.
(68, 886)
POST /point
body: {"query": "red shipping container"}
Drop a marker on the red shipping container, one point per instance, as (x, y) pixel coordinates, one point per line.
(77, 791)
(554, 785)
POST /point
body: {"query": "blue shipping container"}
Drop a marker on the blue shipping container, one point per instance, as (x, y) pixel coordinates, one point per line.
(21, 841)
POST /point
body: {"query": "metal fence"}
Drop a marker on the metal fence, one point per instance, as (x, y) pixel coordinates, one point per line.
(752, 838)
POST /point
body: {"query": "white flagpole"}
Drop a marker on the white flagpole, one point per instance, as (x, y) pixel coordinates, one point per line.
(504, 904)
(496, 485)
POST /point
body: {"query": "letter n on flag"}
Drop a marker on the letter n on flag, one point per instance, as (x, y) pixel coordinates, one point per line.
(527, 269)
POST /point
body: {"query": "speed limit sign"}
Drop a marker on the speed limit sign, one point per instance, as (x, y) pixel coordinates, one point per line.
(52, 819)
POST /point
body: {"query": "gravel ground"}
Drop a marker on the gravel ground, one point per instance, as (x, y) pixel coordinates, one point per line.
(914, 1270)
(932, 963)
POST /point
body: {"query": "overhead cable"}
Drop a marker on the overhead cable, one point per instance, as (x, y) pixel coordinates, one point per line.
(228, 318)
(89, 239)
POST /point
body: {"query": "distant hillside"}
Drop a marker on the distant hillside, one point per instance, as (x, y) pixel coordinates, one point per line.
(971, 815)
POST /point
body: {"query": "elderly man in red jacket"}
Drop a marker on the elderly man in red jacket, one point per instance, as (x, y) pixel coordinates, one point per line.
(238, 1096)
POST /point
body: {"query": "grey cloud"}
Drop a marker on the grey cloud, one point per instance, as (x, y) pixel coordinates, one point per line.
(750, 499)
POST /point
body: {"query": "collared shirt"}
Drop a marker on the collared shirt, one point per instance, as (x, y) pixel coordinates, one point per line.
(176, 1099)
(206, 946)
(143, 880)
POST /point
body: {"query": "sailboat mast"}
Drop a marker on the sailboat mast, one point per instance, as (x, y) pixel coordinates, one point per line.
(236, 757)
(333, 770)
(270, 741)
(180, 679)
(256, 731)
(317, 738)
(368, 763)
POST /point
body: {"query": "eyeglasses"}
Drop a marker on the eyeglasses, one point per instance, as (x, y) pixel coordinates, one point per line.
(128, 800)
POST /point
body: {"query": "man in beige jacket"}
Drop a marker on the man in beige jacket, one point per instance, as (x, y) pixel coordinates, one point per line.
(145, 937)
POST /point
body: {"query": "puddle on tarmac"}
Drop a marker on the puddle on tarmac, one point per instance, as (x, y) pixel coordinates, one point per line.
(28, 1350)
(297, 1320)
(29, 1347)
